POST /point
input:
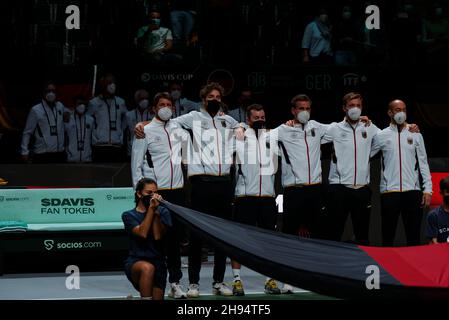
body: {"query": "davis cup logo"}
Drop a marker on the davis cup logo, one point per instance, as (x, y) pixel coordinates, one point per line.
(2, 198)
(109, 197)
(49, 244)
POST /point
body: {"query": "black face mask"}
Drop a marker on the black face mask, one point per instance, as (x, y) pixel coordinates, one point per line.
(213, 106)
(446, 200)
(146, 200)
(257, 125)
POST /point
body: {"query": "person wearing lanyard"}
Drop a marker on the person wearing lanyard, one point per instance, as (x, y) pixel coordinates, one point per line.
(79, 133)
(159, 156)
(245, 99)
(404, 160)
(108, 111)
(45, 124)
(142, 112)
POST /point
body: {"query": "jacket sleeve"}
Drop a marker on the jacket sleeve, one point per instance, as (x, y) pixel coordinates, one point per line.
(375, 145)
(30, 126)
(137, 159)
(185, 121)
(329, 134)
(423, 164)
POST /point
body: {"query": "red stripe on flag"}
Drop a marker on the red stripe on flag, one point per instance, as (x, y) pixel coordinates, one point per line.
(420, 266)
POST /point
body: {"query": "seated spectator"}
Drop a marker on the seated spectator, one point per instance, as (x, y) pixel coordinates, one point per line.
(347, 38)
(156, 42)
(45, 124)
(108, 111)
(404, 33)
(182, 21)
(316, 42)
(182, 105)
(78, 132)
(436, 36)
(437, 227)
(142, 112)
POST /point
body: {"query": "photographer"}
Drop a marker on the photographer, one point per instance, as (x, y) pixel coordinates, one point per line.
(146, 224)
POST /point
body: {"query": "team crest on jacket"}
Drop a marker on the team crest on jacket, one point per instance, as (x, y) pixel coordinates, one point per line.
(364, 134)
(295, 135)
(313, 132)
(410, 140)
(223, 123)
(157, 139)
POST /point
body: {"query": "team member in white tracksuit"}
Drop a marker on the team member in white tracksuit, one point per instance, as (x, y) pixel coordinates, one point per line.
(209, 173)
(349, 173)
(78, 131)
(142, 112)
(108, 111)
(300, 150)
(403, 159)
(256, 166)
(45, 125)
(159, 156)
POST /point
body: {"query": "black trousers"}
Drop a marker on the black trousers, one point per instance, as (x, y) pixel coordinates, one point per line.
(302, 207)
(343, 201)
(174, 236)
(408, 205)
(256, 211)
(211, 195)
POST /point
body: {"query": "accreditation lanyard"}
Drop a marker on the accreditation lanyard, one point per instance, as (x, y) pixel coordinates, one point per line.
(112, 124)
(82, 132)
(53, 128)
(140, 117)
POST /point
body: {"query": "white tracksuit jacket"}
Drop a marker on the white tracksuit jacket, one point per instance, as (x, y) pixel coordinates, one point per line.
(213, 142)
(403, 158)
(352, 146)
(159, 155)
(300, 150)
(256, 165)
(47, 126)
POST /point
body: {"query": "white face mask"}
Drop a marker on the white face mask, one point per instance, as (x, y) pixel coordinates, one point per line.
(165, 113)
(354, 113)
(50, 97)
(303, 116)
(400, 117)
(143, 104)
(111, 88)
(175, 94)
(81, 108)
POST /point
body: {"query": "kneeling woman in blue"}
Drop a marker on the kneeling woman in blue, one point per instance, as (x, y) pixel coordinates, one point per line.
(146, 224)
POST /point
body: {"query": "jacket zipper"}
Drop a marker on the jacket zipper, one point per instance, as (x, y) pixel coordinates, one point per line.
(400, 161)
(218, 148)
(355, 157)
(171, 164)
(260, 169)
(308, 156)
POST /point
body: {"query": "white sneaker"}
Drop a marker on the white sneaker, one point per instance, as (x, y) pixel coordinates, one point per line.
(176, 291)
(194, 291)
(221, 289)
(287, 289)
